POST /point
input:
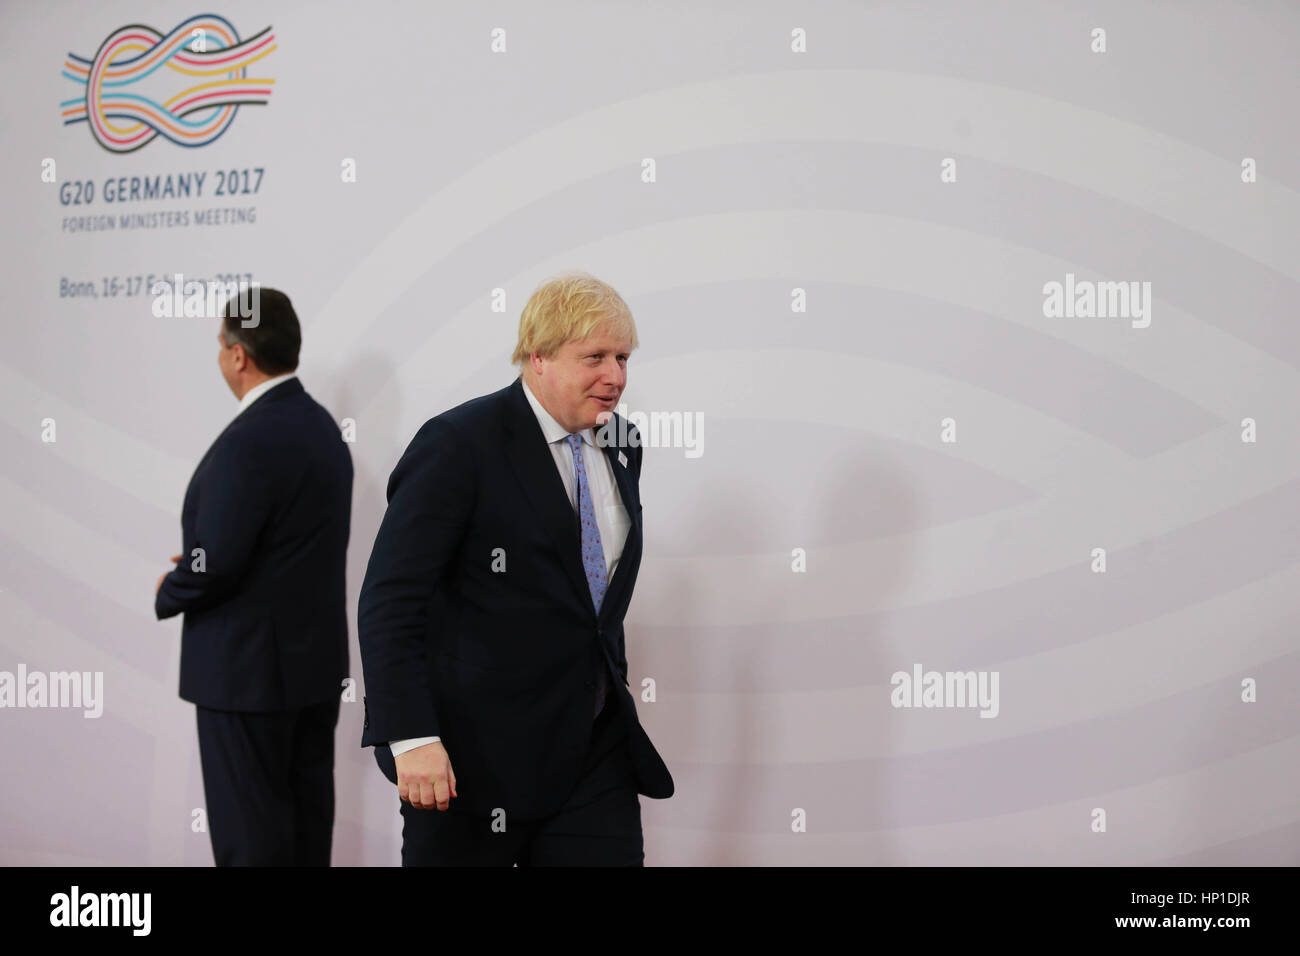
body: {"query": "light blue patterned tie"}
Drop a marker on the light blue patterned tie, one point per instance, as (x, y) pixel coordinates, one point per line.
(593, 553)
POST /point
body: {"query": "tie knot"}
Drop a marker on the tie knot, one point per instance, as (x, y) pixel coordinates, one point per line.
(575, 441)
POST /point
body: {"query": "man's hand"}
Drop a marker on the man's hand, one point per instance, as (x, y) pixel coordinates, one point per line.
(158, 587)
(424, 777)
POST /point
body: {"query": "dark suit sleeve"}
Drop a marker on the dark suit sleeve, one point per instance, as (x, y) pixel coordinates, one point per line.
(430, 499)
(234, 505)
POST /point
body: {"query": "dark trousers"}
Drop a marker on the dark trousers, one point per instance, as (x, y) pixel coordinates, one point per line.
(269, 782)
(599, 824)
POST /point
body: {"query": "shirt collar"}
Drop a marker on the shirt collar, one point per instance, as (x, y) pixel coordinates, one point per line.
(257, 391)
(552, 429)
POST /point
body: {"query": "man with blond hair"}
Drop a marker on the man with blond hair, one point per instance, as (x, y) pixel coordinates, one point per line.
(491, 616)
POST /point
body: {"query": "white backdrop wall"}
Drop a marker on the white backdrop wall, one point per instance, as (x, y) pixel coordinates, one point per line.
(911, 465)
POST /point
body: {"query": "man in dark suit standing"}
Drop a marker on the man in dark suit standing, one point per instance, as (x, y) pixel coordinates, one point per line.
(491, 616)
(261, 584)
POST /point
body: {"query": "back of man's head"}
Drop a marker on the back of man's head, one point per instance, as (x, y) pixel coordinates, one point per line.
(270, 335)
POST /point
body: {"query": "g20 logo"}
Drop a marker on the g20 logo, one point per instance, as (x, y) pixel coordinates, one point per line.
(202, 68)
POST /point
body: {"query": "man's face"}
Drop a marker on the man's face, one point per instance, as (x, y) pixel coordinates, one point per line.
(226, 362)
(583, 380)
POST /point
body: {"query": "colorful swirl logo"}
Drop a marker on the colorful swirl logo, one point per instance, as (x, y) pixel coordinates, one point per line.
(204, 51)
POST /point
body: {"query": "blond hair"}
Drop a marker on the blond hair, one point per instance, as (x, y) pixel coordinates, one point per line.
(568, 308)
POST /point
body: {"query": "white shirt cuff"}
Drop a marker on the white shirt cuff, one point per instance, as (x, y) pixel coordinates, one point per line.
(402, 746)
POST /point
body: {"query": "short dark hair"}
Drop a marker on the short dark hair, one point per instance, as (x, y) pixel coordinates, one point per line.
(270, 335)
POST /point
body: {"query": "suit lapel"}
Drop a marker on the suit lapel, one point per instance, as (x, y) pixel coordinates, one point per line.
(534, 466)
(622, 476)
(632, 504)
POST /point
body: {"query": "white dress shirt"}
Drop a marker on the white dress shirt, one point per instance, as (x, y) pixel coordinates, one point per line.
(611, 514)
(260, 389)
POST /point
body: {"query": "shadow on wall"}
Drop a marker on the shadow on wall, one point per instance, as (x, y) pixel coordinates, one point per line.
(744, 800)
(367, 827)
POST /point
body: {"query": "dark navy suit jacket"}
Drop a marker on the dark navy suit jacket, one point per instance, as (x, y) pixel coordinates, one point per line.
(270, 505)
(476, 621)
